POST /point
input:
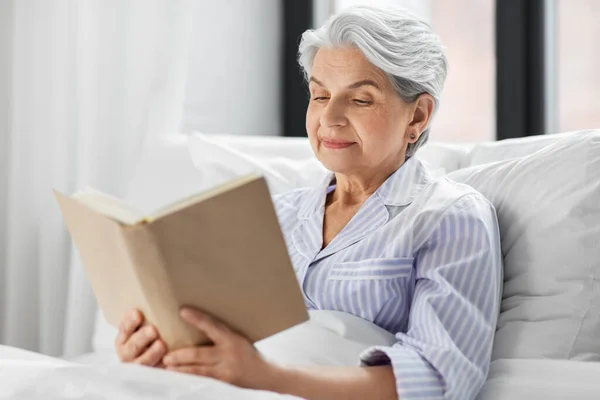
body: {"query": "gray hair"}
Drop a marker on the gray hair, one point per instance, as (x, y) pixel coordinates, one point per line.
(399, 43)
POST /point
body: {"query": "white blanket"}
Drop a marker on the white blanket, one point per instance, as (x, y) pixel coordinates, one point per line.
(28, 376)
(329, 338)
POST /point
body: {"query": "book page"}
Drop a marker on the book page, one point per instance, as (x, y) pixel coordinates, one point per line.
(109, 206)
(120, 211)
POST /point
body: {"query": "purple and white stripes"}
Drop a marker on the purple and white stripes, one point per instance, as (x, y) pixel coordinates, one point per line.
(421, 259)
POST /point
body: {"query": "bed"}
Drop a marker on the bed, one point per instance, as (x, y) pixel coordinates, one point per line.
(547, 343)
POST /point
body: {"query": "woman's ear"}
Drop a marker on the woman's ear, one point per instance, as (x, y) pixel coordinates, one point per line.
(423, 111)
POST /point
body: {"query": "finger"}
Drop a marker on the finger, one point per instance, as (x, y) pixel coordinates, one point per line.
(130, 323)
(215, 330)
(195, 370)
(204, 355)
(153, 355)
(138, 342)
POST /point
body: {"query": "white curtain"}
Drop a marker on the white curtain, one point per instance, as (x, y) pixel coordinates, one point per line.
(82, 84)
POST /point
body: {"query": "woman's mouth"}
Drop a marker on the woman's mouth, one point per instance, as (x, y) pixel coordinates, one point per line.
(336, 144)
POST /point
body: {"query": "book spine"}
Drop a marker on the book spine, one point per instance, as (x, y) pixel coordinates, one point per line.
(162, 306)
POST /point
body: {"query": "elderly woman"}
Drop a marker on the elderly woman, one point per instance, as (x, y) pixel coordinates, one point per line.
(379, 238)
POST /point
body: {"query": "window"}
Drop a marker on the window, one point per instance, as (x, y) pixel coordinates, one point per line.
(233, 74)
(466, 28)
(577, 64)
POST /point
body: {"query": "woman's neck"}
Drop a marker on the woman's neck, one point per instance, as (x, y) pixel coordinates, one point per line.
(353, 189)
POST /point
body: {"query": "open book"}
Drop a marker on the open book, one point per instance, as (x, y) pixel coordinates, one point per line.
(221, 251)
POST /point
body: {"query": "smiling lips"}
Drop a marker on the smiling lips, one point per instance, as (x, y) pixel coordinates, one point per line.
(336, 144)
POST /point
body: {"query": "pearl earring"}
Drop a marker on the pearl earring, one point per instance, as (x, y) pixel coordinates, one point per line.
(412, 136)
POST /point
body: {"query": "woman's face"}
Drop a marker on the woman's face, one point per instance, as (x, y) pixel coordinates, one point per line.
(355, 120)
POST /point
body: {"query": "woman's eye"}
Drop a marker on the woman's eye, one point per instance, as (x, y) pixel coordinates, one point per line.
(320, 98)
(362, 102)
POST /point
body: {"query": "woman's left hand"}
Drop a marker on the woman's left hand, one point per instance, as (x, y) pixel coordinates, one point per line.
(231, 358)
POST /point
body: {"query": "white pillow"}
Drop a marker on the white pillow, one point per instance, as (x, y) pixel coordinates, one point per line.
(164, 174)
(221, 160)
(439, 156)
(548, 206)
(487, 152)
(262, 147)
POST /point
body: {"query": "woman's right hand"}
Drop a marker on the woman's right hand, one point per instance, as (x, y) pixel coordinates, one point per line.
(137, 343)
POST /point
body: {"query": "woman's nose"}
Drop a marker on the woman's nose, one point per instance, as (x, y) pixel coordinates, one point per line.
(334, 114)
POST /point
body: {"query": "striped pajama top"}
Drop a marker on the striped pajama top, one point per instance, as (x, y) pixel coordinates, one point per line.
(421, 259)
